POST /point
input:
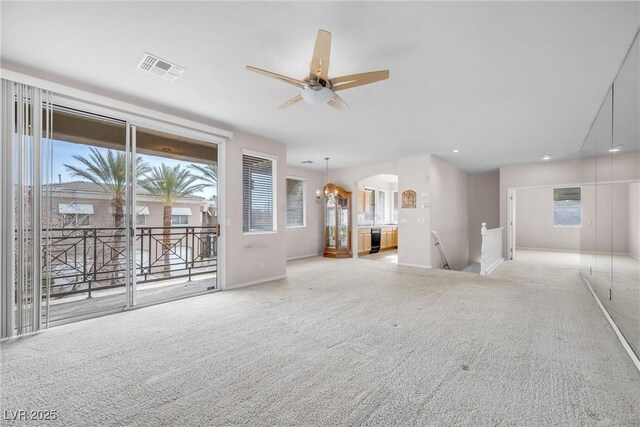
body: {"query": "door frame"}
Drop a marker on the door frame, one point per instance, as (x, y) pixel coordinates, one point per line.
(511, 223)
(179, 127)
(131, 114)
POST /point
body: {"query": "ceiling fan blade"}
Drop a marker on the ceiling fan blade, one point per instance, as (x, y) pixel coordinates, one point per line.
(292, 101)
(291, 81)
(321, 53)
(354, 80)
(338, 103)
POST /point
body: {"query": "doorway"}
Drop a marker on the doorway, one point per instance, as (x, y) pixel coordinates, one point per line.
(377, 218)
(132, 216)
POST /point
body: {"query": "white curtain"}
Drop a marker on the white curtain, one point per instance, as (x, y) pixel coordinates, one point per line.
(25, 147)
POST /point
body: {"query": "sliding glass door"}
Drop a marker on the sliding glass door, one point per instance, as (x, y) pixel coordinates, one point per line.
(85, 202)
(176, 218)
(132, 216)
(99, 215)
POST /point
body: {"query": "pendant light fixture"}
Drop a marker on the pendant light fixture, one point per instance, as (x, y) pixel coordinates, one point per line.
(330, 190)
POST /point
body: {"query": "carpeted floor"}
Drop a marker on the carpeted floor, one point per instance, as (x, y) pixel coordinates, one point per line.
(340, 342)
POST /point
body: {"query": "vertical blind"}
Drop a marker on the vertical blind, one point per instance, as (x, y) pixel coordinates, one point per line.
(257, 194)
(295, 202)
(25, 142)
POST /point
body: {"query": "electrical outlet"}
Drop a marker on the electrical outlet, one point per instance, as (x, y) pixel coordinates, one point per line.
(262, 266)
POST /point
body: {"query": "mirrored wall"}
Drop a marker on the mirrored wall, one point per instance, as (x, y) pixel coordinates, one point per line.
(610, 239)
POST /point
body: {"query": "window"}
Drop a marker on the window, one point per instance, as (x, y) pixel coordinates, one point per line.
(141, 219)
(567, 209)
(381, 208)
(141, 215)
(179, 219)
(296, 196)
(258, 176)
(76, 220)
(394, 213)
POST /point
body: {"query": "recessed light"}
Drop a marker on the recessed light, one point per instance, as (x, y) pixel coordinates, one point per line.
(616, 148)
(308, 161)
(546, 157)
(455, 151)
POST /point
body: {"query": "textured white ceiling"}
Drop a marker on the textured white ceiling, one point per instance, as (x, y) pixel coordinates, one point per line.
(504, 82)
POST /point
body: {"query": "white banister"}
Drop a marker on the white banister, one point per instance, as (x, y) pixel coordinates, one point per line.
(491, 252)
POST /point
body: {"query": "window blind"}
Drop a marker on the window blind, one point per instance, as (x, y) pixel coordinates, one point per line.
(295, 202)
(257, 194)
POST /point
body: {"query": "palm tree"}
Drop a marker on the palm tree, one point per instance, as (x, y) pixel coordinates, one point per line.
(207, 173)
(169, 184)
(109, 172)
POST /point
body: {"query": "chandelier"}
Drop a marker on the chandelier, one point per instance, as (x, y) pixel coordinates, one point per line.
(330, 190)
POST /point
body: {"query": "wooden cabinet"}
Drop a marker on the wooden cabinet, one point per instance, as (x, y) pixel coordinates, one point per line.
(364, 241)
(384, 240)
(361, 202)
(388, 239)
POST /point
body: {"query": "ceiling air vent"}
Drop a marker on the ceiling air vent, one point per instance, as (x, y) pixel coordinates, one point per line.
(159, 67)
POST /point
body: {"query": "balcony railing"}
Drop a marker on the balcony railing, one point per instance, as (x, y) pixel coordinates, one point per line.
(83, 260)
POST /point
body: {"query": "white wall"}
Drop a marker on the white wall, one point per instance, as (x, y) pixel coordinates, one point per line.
(253, 257)
(562, 172)
(414, 239)
(534, 220)
(307, 241)
(483, 199)
(449, 213)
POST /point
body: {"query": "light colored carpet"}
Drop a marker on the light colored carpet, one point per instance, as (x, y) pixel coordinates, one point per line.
(340, 342)
(620, 273)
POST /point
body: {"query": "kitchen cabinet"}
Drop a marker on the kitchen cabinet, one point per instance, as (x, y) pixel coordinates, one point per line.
(388, 239)
(384, 240)
(361, 202)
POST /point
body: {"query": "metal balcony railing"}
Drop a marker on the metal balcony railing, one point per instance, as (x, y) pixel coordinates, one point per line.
(83, 260)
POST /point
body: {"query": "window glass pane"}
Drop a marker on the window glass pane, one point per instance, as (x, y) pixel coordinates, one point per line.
(257, 190)
(382, 208)
(179, 219)
(567, 207)
(295, 203)
(394, 218)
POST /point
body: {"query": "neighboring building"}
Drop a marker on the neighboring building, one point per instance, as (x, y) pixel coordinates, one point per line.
(78, 204)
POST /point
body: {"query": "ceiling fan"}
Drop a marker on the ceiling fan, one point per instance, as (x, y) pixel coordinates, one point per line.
(318, 88)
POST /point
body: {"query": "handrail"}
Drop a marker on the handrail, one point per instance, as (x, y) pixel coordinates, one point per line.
(491, 249)
(86, 259)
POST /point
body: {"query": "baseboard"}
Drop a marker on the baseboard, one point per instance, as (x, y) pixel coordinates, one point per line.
(304, 256)
(623, 340)
(255, 282)
(494, 266)
(404, 264)
(570, 251)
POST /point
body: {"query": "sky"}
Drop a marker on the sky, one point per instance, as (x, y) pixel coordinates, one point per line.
(63, 153)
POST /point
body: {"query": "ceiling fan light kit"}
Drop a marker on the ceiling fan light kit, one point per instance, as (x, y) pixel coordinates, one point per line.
(318, 88)
(316, 95)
